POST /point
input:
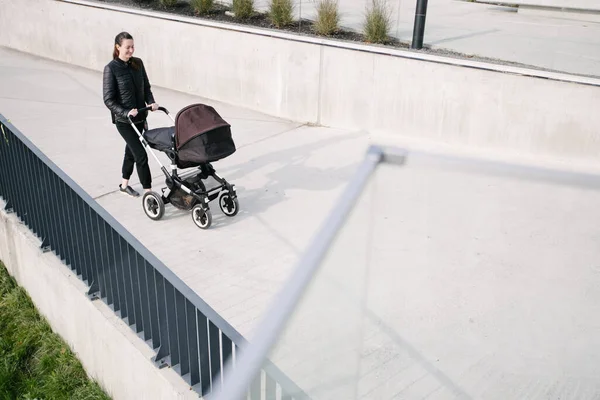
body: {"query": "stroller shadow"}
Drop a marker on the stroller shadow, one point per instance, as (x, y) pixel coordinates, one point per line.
(286, 170)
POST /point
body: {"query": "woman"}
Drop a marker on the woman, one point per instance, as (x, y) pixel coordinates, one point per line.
(126, 89)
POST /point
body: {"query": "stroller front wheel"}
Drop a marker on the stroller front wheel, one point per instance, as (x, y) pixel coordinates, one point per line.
(201, 217)
(229, 206)
(154, 207)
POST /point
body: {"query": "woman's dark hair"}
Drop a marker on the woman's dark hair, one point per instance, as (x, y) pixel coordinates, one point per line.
(118, 41)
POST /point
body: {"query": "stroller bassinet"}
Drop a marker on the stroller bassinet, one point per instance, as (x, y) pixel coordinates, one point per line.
(200, 136)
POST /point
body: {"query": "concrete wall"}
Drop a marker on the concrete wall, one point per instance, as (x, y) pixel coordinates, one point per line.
(117, 358)
(389, 92)
(277, 77)
(460, 106)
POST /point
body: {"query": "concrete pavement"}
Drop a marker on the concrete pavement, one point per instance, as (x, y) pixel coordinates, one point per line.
(494, 297)
(459, 284)
(287, 175)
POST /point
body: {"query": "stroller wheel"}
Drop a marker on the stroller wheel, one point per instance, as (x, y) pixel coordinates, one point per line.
(154, 207)
(229, 206)
(202, 218)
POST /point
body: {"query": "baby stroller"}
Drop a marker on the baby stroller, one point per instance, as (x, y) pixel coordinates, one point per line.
(200, 136)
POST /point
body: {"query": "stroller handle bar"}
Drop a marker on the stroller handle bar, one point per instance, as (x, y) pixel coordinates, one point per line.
(148, 108)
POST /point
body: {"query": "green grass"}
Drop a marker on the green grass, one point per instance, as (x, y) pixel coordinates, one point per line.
(35, 363)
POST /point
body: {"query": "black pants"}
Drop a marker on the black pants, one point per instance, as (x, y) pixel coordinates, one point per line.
(135, 153)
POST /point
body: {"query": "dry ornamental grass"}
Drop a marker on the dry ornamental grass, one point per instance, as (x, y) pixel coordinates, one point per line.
(168, 3)
(328, 17)
(281, 12)
(202, 7)
(243, 9)
(377, 22)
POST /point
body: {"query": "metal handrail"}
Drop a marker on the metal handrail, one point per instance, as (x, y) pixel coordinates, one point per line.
(144, 292)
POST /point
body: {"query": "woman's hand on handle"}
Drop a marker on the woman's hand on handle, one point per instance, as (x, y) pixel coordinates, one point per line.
(133, 112)
(154, 106)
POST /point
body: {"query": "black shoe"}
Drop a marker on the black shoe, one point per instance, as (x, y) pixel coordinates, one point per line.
(129, 190)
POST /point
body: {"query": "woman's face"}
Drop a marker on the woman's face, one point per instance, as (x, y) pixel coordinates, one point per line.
(126, 49)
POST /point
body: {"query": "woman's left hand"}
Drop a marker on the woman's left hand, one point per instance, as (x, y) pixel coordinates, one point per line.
(154, 106)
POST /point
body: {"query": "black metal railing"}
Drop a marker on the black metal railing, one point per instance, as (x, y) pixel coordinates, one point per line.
(184, 331)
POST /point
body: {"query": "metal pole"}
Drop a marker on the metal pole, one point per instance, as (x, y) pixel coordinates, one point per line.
(419, 28)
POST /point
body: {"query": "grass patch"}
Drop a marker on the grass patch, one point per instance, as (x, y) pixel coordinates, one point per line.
(328, 17)
(35, 363)
(280, 12)
(378, 21)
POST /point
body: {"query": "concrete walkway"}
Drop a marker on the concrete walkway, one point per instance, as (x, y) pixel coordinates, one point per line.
(495, 294)
(288, 177)
(458, 285)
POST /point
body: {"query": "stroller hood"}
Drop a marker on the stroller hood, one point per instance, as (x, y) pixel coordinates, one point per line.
(201, 136)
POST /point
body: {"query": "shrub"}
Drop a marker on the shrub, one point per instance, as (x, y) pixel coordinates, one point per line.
(168, 3)
(243, 9)
(280, 12)
(378, 22)
(328, 17)
(202, 7)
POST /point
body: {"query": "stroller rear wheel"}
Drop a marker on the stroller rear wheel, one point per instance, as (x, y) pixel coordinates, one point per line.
(229, 206)
(202, 218)
(154, 207)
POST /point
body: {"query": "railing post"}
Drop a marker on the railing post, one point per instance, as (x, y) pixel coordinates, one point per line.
(8, 207)
(45, 246)
(93, 292)
(186, 333)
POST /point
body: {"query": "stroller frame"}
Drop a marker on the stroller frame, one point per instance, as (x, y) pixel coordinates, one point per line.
(190, 183)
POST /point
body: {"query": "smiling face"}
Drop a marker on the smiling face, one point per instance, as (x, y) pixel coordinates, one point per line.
(126, 49)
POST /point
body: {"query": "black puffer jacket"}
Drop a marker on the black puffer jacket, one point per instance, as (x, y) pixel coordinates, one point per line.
(126, 87)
